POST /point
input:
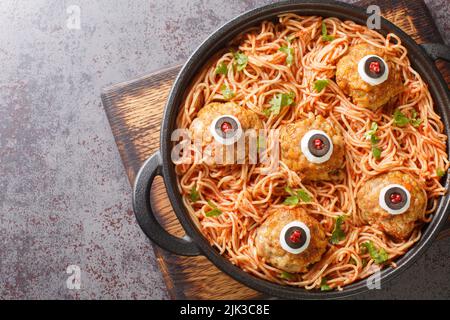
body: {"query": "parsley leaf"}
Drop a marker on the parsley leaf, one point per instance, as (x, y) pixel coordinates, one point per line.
(222, 68)
(338, 234)
(324, 285)
(376, 152)
(371, 135)
(279, 101)
(379, 256)
(215, 212)
(289, 190)
(415, 122)
(227, 92)
(296, 196)
(291, 201)
(194, 195)
(303, 195)
(400, 119)
(325, 36)
(241, 60)
(320, 84)
(372, 131)
(440, 172)
(289, 54)
(374, 139)
(286, 275)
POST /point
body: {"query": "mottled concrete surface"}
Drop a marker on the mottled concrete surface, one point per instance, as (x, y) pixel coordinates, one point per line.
(64, 195)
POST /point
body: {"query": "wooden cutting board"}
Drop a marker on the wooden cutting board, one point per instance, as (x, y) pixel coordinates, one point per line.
(134, 110)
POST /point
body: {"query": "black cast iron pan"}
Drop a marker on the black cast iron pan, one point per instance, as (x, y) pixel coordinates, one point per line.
(160, 163)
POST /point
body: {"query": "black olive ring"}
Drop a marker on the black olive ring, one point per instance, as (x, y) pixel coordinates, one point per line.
(291, 247)
(370, 77)
(316, 155)
(226, 138)
(394, 208)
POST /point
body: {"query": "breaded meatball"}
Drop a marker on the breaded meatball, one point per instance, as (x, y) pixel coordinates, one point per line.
(286, 227)
(394, 211)
(298, 159)
(200, 126)
(364, 94)
(224, 116)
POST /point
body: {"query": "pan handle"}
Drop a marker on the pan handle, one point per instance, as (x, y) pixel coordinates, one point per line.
(145, 216)
(437, 51)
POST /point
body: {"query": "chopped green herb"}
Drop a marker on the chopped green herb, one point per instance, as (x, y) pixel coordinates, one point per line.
(222, 68)
(303, 195)
(296, 196)
(227, 92)
(325, 36)
(289, 190)
(320, 84)
(338, 234)
(289, 54)
(279, 101)
(241, 60)
(374, 139)
(194, 195)
(372, 131)
(371, 135)
(376, 152)
(291, 201)
(286, 275)
(440, 172)
(400, 119)
(379, 256)
(324, 285)
(215, 212)
(415, 122)
(352, 261)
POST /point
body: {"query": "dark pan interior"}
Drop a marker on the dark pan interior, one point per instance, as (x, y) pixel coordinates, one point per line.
(217, 41)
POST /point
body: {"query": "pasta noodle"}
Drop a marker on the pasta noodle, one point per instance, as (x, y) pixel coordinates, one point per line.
(244, 193)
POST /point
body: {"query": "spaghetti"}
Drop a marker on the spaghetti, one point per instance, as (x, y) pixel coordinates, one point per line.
(244, 193)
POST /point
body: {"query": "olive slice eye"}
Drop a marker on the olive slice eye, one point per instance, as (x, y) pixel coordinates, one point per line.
(295, 237)
(226, 129)
(394, 199)
(317, 146)
(373, 69)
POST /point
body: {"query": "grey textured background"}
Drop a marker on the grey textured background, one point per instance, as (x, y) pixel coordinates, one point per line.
(64, 195)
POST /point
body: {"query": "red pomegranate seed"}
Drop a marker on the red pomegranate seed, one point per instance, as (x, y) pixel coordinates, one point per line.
(396, 198)
(374, 66)
(225, 127)
(295, 236)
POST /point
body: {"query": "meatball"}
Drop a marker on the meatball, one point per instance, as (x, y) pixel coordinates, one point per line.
(364, 94)
(225, 116)
(269, 240)
(396, 189)
(299, 160)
